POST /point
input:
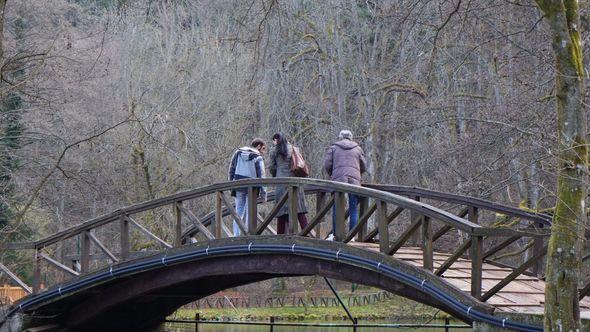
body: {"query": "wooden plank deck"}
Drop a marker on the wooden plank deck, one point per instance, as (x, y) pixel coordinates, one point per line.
(526, 294)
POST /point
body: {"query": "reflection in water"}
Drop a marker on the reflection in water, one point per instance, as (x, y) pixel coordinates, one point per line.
(203, 327)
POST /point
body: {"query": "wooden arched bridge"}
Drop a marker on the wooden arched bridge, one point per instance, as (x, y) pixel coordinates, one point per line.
(113, 273)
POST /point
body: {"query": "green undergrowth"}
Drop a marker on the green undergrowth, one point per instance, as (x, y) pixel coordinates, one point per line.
(394, 308)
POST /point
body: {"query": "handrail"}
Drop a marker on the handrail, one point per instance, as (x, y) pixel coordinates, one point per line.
(463, 200)
(330, 186)
(539, 218)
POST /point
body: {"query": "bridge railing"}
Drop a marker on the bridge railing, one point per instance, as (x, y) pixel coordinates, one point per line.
(110, 236)
(534, 226)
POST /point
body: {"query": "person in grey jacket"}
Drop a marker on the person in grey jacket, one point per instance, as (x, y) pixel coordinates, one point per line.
(280, 166)
(345, 162)
(247, 162)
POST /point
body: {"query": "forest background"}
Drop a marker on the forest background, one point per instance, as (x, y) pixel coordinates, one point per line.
(112, 102)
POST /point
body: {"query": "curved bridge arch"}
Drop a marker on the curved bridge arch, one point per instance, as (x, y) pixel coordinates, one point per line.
(140, 293)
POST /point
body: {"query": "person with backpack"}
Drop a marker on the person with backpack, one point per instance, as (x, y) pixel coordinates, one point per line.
(247, 162)
(281, 166)
(345, 162)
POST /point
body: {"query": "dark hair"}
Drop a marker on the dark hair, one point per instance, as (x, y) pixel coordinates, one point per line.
(257, 141)
(281, 144)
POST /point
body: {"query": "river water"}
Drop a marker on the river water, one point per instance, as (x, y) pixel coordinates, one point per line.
(204, 327)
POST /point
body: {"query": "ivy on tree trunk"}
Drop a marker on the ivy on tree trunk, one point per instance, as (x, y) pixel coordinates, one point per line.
(562, 312)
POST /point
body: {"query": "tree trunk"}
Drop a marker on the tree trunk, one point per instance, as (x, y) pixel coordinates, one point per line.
(562, 312)
(2, 7)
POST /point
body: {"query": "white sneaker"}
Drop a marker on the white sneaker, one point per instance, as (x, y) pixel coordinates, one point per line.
(330, 237)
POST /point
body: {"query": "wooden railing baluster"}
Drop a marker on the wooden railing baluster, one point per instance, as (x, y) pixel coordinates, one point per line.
(320, 201)
(252, 209)
(84, 252)
(390, 218)
(293, 208)
(217, 226)
(537, 249)
(37, 271)
(102, 247)
(237, 218)
(513, 275)
(415, 239)
(362, 223)
(476, 265)
(178, 224)
(279, 202)
(383, 226)
(124, 226)
(340, 203)
(406, 235)
(363, 206)
(324, 209)
(427, 248)
(453, 258)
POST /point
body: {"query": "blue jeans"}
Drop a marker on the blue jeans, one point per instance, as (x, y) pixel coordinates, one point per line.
(353, 210)
(242, 210)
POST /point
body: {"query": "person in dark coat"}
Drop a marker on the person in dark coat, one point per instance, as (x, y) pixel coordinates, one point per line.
(280, 166)
(345, 162)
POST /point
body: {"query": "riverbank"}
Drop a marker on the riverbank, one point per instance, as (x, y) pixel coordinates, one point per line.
(393, 308)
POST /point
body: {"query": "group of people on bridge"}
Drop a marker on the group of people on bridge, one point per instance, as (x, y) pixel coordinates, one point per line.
(344, 161)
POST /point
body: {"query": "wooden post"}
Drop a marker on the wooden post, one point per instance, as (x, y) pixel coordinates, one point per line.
(363, 207)
(476, 265)
(37, 272)
(197, 319)
(427, 250)
(383, 226)
(218, 216)
(85, 252)
(319, 203)
(473, 216)
(340, 203)
(252, 210)
(272, 323)
(178, 226)
(124, 223)
(537, 249)
(415, 239)
(293, 208)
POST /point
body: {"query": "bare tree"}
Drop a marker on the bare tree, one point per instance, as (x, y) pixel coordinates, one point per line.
(562, 312)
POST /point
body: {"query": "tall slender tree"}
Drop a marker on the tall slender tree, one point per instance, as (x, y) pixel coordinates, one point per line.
(562, 312)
